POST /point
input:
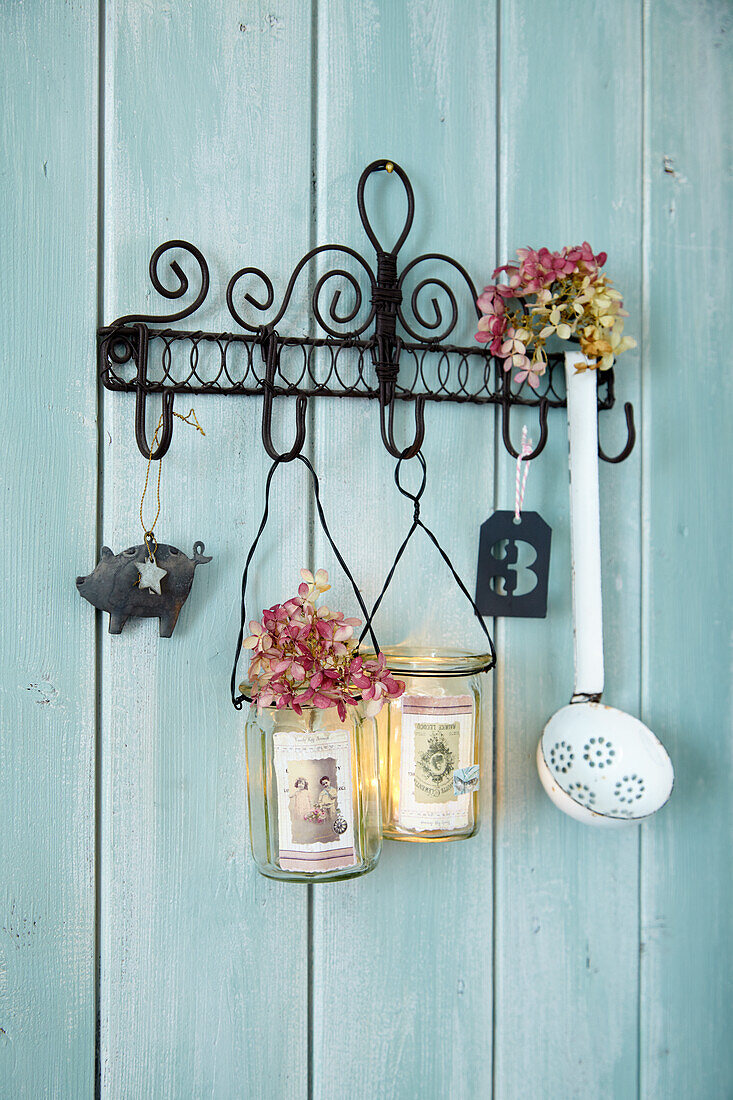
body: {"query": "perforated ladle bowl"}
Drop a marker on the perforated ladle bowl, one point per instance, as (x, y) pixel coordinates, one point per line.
(597, 764)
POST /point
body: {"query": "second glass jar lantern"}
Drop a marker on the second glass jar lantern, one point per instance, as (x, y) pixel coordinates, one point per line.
(429, 742)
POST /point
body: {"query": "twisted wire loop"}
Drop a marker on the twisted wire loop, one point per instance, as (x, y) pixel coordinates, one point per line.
(370, 170)
(231, 363)
(386, 298)
(238, 700)
(418, 523)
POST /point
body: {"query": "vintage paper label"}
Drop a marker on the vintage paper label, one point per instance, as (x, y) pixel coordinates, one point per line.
(313, 772)
(437, 740)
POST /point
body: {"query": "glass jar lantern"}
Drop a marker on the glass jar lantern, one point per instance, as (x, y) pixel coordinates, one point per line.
(313, 790)
(429, 745)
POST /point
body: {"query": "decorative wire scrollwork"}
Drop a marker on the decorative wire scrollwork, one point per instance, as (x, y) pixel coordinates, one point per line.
(117, 338)
(177, 292)
(333, 311)
(432, 281)
(376, 338)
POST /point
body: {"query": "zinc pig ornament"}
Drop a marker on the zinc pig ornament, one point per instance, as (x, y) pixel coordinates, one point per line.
(142, 584)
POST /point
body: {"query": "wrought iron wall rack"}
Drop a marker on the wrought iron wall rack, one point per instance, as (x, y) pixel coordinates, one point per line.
(357, 349)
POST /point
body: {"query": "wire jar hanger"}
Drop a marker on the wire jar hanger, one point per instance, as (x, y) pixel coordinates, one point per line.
(418, 523)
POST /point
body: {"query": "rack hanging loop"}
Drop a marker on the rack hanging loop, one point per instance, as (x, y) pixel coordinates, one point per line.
(269, 353)
(630, 438)
(386, 297)
(391, 167)
(505, 432)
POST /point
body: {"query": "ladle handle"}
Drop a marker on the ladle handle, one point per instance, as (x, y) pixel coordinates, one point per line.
(585, 528)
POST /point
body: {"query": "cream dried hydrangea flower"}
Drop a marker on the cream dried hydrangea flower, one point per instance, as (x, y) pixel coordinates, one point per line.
(552, 294)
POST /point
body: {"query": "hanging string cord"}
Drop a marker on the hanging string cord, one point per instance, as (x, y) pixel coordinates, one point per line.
(522, 475)
(238, 700)
(150, 541)
(417, 522)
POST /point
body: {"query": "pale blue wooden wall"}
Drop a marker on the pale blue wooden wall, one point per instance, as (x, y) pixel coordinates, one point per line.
(138, 945)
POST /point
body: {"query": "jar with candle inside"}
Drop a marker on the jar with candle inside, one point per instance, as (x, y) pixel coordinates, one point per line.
(430, 739)
(313, 792)
(311, 741)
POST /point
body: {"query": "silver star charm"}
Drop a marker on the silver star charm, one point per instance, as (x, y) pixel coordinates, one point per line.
(150, 575)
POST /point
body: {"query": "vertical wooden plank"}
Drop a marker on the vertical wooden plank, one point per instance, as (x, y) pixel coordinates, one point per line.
(566, 894)
(204, 962)
(402, 994)
(48, 416)
(687, 989)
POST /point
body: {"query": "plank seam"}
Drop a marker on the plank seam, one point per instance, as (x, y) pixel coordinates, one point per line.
(101, 46)
(310, 514)
(643, 504)
(495, 622)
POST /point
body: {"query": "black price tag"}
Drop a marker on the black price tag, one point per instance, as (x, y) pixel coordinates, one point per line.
(513, 566)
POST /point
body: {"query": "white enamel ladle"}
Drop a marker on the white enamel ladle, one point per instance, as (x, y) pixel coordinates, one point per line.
(596, 763)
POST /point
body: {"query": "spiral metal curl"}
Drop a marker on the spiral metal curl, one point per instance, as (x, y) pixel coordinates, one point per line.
(178, 291)
(433, 324)
(263, 306)
(334, 315)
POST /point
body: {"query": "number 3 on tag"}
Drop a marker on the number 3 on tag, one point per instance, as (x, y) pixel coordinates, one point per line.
(513, 566)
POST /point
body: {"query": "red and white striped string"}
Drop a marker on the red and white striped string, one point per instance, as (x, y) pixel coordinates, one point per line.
(521, 481)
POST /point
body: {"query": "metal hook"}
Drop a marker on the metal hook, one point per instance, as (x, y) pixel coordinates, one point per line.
(630, 438)
(269, 351)
(505, 406)
(167, 432)
(141, 382)
(386, 399)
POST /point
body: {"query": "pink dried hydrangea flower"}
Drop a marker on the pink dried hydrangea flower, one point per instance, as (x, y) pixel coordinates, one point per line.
(571, 298)
(305, 655)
